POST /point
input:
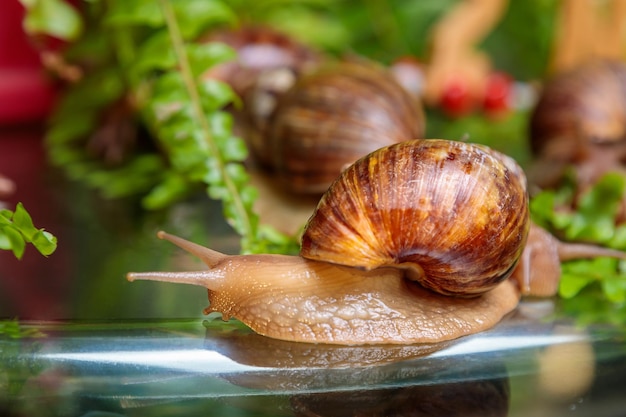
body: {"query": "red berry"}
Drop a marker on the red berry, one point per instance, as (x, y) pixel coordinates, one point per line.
(498, 92)
(456, 99)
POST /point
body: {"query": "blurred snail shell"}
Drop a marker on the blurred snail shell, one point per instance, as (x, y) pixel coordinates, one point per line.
(359, 287)
(332, 117)
(580, 119)
(589, 101)
(268, 63)
(258, 49)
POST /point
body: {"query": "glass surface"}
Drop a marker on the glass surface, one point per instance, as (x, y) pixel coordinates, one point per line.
(526, 366)
(89, 343)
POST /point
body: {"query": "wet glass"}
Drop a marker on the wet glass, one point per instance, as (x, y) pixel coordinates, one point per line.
(525, 366)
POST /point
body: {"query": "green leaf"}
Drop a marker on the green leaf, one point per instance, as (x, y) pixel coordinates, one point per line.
(168, 88)
(135, 12)
(14, 330)
(173, 188)
(24, 223)
(15, 239)
(44, 242)
(196, 16)
(212, 172)
(62, 133)
(97, 90)
(237, 172)
(234, 149)
(614, 288)
(5, 217)
(571, 284)
(542, 208)
(218, 192)
(303, 22)
(137, 176)
(206, 55)
(249, 195)
(154, 54)
(594, 219)
(52, 17)
(5, 243)
(17, 229)
(215, 94)
(619, 238)
(221, 125)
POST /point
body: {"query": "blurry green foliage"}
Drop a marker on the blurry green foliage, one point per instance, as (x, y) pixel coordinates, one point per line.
(14, 330)
(129, 60)
(152, 77)
(593, 219)
(52, 17)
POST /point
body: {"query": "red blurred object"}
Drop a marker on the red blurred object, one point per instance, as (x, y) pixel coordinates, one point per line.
(456, 100)
(498, 94)
(26, 92)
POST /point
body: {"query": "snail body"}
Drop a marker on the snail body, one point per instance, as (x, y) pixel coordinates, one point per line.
(292, 298)
(402, 294)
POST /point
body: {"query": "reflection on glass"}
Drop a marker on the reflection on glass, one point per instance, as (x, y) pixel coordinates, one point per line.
(468, 398)
(182, 368)
(420, 387)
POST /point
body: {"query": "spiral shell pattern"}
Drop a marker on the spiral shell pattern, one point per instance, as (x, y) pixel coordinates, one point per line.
(455, 215)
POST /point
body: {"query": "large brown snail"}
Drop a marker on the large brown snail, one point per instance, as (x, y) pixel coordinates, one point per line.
(413, 243)
(416, 210)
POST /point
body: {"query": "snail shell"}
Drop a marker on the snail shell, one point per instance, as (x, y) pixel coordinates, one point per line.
(454, 214)
(334, 116)
(587, 102)
(580, 119)
(258, 49)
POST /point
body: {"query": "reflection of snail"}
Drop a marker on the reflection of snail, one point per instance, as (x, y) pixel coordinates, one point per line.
(450, 216)
(489, 397)
(389, 380)
(302, 367)
(245, 347)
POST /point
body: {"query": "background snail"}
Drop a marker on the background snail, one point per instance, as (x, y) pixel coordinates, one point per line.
(259, 49)
(330, 118)
(480, 203)
(580, 120)
(268, 63)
